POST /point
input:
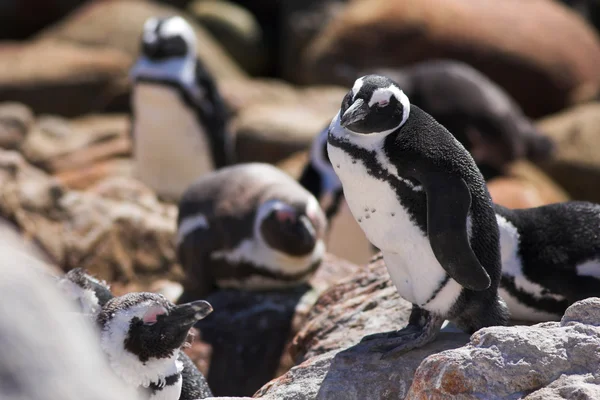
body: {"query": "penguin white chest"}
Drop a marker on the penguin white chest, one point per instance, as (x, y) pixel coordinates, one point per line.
(413, 268)
(171, 149)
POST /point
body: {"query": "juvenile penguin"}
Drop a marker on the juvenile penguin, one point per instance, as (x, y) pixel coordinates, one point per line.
(248, 226)
(478, 112)
(179, 120)
(142, 335)
(550, 258)
(419, 197)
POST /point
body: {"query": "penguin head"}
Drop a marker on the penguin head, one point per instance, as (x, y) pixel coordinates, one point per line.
(290, 227)
(375, 104)
(142, 328)
(168, 38)
(89, 293)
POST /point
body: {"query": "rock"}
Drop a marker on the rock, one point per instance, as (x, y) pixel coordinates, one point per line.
(570, 387)
(11, 236)
(78, 80)
(15, 121)
(363, 304)
(118, 25)
(250, 330)
(84, 177)
(525, 186)
(576, 164)
(271, 128)
(511, 362)
(294, 164)
(545, 66)
(58, 145)
(301, 22)
(114, 240)
(237, 31)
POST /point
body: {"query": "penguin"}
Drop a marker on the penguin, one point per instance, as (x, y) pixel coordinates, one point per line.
(89, 293)
(179, 120)
(142, 335)
(319, 178)
(248, 226)
(550, 258)
(420, 198)
(478, 112)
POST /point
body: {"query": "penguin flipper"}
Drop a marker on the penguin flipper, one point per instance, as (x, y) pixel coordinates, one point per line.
(448, 204)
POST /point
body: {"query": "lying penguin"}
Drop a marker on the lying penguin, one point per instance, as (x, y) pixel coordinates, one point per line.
(179, 120)
(418, 196)
(248, 226)
(478, 112)
(142, 334)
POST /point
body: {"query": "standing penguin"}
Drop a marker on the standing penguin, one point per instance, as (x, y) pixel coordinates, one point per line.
(248, 226)
(478, 112)
(419, 197)
(179, 121)
(142, 335)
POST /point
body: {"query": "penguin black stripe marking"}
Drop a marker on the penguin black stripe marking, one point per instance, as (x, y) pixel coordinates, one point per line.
(419, 197)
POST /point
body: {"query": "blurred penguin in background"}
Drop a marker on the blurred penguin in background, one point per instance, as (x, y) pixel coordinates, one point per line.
(179, 121)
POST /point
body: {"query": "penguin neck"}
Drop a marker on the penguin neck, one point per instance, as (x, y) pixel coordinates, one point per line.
(330, 183)
(177, 70)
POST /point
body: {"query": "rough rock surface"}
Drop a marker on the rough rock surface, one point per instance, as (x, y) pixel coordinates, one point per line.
(511, 362)
(576, 164)
(113, 239)
(118, 25)
(544, 66)
(84, 177)
(525, 186)
(15, 121)
(251, 330)
(273, 120)
(58, 145)
(78, 80)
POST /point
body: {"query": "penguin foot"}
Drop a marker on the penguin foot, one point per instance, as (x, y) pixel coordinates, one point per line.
(408, 330)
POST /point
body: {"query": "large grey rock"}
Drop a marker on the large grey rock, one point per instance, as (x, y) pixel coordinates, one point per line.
(511, 362)
(570, 387)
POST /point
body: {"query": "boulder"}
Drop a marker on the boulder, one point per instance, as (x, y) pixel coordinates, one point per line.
(236, 29)
(272, 120)
(524, 186)
(116, 240)
(545, 66)
(15, 121)
(58, 145)
(512, 362)
(77, 80)
(118, 25)
(576, 164)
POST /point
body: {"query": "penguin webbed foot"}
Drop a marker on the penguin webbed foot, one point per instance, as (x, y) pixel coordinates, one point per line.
(423, 327)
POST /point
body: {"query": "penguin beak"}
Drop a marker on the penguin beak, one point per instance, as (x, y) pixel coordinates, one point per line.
(150, 48)
(188, 313)
(356, 112)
